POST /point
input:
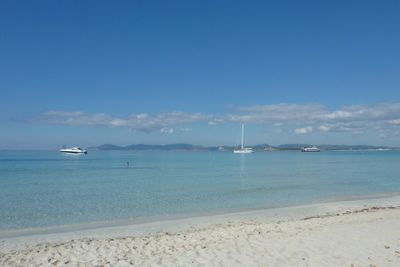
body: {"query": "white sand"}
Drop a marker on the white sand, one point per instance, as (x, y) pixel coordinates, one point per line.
(353, 233)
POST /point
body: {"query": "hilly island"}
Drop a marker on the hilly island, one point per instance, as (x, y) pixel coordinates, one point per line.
(259, 147)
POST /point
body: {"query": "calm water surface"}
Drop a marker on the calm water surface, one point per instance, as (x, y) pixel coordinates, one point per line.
(46, 188)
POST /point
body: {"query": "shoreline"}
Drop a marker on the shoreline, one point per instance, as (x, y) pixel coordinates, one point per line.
(90, 226)
(234, 213)
(22, 239)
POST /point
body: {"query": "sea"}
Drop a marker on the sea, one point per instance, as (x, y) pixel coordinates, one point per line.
(48, 189)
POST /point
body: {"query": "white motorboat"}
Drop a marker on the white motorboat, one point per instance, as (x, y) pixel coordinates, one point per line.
(73, 150)
(310, 149)
(243, 150)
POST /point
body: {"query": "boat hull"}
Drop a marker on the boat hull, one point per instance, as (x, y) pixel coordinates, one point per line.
(70, 152)
(243, 151)
(73, 151)
(310, 150)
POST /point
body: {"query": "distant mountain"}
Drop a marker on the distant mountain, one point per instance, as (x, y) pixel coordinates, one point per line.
(331, 147)
(291, 146)
(109, 147)
(260, 147)
(352, 147)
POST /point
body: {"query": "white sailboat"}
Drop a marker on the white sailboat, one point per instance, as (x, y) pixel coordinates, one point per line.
(243, 150)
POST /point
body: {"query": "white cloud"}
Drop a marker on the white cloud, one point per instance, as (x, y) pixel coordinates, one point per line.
(324, 128)
(394, 122)
(277, 113)
(167, 130)
(381, 111)
(315, 113)
(138, 122)
(142, 116)
(354, 127)
(353, 118)
(185, 129)
(215, 121)
(118, 122)
(304, 130)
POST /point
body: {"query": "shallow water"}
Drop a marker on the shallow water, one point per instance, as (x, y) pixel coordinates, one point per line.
(47, 188)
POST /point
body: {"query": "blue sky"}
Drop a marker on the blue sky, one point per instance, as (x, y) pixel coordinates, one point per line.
(92, 72)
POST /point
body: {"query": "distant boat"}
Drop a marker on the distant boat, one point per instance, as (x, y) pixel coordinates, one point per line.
(383, 149)
(243, 150)
(310, 149)
(73, 150)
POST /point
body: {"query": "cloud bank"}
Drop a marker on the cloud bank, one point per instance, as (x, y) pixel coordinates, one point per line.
(142, 122)
(303, 118)
(355, 118)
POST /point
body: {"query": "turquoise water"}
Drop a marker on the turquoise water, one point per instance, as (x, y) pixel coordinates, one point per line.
(44, 188)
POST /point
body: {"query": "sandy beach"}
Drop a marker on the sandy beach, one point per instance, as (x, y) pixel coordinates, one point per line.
(344, 233)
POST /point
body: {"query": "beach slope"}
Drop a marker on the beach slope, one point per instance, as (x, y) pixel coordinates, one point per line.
(363, 236)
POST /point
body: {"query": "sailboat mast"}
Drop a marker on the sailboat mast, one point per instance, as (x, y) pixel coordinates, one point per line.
(242, 134)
